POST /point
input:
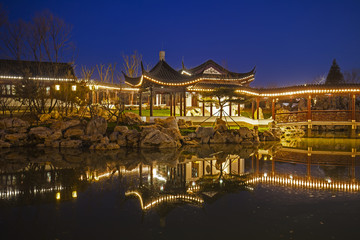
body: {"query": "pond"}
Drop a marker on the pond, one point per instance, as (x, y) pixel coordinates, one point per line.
(303, 189)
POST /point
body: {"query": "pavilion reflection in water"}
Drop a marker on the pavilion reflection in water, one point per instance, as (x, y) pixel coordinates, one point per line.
(192, 176)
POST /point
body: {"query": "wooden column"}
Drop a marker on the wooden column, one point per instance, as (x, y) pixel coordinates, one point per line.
(181, 103)
(273, 109)
(257, 108)
(170, 102)
(174, 105)
(230, 109)
(309, 117)
(239, 110)
(140, 102)
(151, 101)
(211, 109)
(252, 109)
(308, 168)
(203, 108)
(353, 98)
(184, 103)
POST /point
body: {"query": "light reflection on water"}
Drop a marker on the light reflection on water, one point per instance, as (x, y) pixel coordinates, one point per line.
(299, 190)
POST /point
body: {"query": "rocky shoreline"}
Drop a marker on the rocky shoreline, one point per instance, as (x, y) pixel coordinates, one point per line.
(92, 134)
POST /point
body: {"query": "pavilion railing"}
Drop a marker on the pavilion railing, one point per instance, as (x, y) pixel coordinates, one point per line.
(317, 115)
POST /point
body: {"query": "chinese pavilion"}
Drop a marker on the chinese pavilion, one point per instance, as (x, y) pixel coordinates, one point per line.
(171, 86)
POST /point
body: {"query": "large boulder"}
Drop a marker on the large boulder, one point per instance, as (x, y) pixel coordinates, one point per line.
(130, 118)
(245, 132)
(74, 133)
(97, 125)
(121, 129)
(157, 139)
(204, 132)
(68, 143)
(14, 125)
(40, 132)
(169, 122)
(132, 138)
(63, 125)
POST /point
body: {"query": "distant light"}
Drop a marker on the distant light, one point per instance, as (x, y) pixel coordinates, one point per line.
(73, 88)
(74, 194)
(221, 181)
(161, 188)
(57, 87)
(265, 174)
(291, 176)
(58, 196)
(193, 183)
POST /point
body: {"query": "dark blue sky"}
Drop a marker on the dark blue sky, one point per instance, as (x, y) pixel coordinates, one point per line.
(290, 42)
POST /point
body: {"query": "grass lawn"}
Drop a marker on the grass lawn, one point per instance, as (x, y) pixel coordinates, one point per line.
(158, 112)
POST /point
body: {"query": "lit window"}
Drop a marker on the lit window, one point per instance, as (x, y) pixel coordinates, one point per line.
(47, 90)
(8, 89)
(57, 87)
(73, 87)
(13, 89)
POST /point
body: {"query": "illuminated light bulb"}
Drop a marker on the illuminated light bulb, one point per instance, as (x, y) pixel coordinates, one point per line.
(58, 196)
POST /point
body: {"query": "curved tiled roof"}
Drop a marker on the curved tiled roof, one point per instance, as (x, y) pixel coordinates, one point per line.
(212, 64)
(36, 69)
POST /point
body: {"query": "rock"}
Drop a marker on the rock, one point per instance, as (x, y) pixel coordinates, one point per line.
(14, 125)
(157, 139)
(169, 122)
(121, 129)
(40, 132)
(4, 144)
(191, 135)
(181, 123)
(121, 141)
(113, 146)
(221, 128)
(190, 142)
(15, 137)
(245, 132)
(104, 140)
(113, 136)
(173, 133)
(63, 125)
(97, 125)
(130, 118)
(73, 133)
(55, 136)
(132, 138)
(68, 143)
(267, 136)
(189, 123)
(202, 132)
(217, 138)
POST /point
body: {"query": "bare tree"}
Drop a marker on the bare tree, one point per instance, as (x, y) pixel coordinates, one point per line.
(132, 63)
(45, 38)
(352, 76)
(49, 38)
(13, 39)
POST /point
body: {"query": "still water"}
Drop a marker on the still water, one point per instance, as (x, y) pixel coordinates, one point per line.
(303, 189)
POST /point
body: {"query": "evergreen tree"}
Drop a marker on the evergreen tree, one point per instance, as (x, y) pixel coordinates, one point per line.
(335, 76)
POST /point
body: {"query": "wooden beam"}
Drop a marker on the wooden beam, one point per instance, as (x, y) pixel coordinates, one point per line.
(203, 108)
(230, 106)
(181, 103)
(252, 109)
(353, 99)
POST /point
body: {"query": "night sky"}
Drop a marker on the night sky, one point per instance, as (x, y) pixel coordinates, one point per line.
(290, 42)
